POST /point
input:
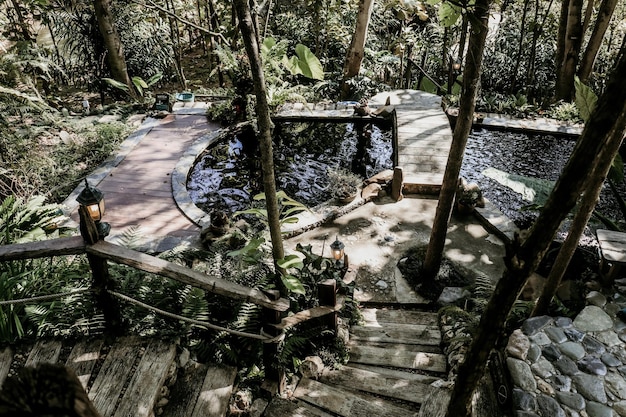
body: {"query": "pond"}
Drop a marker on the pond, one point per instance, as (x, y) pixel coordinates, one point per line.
(228, 174)
(490, 154)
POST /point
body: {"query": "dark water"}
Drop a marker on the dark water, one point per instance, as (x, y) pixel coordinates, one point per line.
(228, 174)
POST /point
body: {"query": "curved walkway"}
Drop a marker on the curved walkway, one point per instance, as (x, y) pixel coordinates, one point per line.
(137, 183)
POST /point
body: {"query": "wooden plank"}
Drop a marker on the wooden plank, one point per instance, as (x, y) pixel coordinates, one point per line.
(108, 385)
(164, 268)
(280, 407)
(44, 351)
(215, 392)
(306, 315)
(6, 358)
(411, 334)
(398, 358)
(83, 358)
(54, 247)
(612, 245)
(373, 316)
(347, 403)
(407, 389)
(145, 386)
(396, 373)
(186, 391)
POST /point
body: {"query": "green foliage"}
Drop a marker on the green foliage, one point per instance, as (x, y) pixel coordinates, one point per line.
(141, 86)
(288, 208)
(567, 112)
(586, 99)
(304, 63)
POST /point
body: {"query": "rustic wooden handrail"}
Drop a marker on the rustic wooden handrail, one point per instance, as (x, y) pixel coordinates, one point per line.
(43, 249)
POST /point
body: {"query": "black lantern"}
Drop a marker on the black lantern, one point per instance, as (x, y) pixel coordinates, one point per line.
(336, 249)
(93, 200)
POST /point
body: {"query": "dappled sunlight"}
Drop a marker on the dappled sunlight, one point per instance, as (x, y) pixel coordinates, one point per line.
(458, 256)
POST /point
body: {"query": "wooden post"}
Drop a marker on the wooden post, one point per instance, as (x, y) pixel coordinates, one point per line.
(100, 273)
(397, 183)
(275, 379)
(327, 295)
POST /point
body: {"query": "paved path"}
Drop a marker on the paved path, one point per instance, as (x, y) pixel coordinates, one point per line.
(137, 184)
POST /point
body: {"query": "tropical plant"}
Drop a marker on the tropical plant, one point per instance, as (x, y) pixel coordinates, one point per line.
(141, 86)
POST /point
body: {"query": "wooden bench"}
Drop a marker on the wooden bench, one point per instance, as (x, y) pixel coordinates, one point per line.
(613, 252)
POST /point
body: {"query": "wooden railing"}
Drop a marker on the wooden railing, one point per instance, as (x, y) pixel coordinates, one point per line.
(99, 252)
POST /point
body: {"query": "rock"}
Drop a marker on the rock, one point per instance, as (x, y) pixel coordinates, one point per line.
(590, 387)
(608, 337)
(561, 382)
(610, 360)
(564, 322)
(573, 350)
(452, 295)
(183, 358)
(545, 387)
(596, 298)
(518, 345)
(592, 346)
(312, 367)
(382, 284)
(534, 353)
(533, 288)
(616, 385)
(574, 335)
(556, 334)
(620, 408)
(568, 290)
(592, 365)
(566, 366)
(598, 410)
(593, 319)
(551, 353)
(524, 414)
(543, 368)
(534, 324)
(540, 338)
(521, 374)
(523, 400)
(571, 399)
(371, 191)
(548, 406)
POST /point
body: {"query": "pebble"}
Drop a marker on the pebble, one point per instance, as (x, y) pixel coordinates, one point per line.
(571, 368)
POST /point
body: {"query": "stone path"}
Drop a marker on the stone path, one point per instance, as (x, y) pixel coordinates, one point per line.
(561, 367)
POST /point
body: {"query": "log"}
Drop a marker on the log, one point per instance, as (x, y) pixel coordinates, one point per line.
(164, 268)
(215, 392)
(44, 351)
(54, 247)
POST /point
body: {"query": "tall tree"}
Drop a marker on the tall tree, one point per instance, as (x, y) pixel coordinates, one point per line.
(356, 51)
(248, 29)
(607, 7)
(467, 103)
(599, 142)
(115, 51)
(569, 43)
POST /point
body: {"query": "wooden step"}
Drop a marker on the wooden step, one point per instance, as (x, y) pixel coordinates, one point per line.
(280, 407)
(347, 403)
(397, 356)
(83, 359)
(374, 316)
(44, 351)
(6, 358)
(202, 390)
(410, 334)
(111, 380)
(396, 384)
(145, 386)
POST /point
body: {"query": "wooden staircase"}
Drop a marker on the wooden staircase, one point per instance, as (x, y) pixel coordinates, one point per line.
(133, 377)
(394, 357)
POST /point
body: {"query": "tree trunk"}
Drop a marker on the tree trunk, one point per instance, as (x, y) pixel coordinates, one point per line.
(599, 29)
(570, 40)
(21, 22)
(471, 78)
(247, 27)
(115, 55)
(356, 51)
(537, 30)
(600, 140)
(520, 48)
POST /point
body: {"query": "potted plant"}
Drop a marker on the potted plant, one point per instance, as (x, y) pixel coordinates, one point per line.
(344, 184)
(468, 197)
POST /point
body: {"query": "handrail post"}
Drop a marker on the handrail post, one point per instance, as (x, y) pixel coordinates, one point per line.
(102, 281)
(327, 295)
(275, 379)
